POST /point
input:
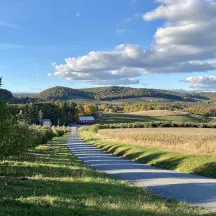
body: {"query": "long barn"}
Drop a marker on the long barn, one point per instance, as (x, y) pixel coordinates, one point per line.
(86, 120)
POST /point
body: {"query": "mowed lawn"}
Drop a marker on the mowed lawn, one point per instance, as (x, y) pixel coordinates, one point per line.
(50, 181)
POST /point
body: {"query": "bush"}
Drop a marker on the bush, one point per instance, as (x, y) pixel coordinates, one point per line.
(19, 137)
(154, 125)
(93, 128)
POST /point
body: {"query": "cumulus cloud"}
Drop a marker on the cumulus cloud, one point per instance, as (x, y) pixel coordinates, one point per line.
(201, 83)
(184, 44)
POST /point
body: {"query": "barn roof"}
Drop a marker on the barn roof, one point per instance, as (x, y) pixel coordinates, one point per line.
(86, 118)
(46, 120)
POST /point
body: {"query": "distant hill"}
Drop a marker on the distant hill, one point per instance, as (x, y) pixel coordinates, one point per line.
(5, 95)
(63, 93)
(117, 92)
(114, 93)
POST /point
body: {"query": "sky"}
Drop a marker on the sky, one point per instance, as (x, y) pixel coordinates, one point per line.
(167, 44)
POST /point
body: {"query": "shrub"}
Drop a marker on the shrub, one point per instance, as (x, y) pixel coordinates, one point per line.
(19, 137)
(15, 139)
(157, 125)
(93, 128)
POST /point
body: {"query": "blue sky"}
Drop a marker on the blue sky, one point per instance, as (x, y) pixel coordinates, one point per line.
(34, 34)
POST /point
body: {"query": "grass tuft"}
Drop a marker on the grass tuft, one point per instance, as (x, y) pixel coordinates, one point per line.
(42, 148)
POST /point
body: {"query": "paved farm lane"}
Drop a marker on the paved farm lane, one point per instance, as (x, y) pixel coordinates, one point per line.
(196, 190)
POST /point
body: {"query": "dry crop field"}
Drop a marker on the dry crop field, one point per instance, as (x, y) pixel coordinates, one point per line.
(201, 141)
(159, 113)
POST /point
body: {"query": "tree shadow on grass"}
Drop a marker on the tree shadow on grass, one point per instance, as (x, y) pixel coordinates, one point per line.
(114, 149)
(45, 170)
(208, 169)
(138, 156)
(106, 147)
(170, 164)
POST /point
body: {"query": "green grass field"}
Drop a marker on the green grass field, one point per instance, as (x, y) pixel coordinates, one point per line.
(126, 118)
(187, 163)
(49, 181)
(138, 100)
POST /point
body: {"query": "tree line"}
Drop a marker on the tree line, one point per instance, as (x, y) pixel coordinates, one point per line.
(60, 112)
(208, 111)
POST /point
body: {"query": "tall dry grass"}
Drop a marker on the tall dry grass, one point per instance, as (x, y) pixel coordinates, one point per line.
(159, 113)
(200, 141)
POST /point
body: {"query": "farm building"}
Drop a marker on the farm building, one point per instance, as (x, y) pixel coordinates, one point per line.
(85, 120)
(46, 122)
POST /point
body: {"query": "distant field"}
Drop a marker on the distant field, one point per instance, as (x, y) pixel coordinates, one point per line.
(158, 113)
(184, 140)
(139, 100)
(149, 116)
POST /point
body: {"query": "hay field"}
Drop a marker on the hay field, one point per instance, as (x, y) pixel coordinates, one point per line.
(159, 113)
(200, 141)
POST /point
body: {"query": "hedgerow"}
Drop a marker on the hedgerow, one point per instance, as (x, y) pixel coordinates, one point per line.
(19, 137)
(97, 127)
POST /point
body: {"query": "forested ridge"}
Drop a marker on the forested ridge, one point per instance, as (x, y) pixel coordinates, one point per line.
(114, 93)
(103, 94)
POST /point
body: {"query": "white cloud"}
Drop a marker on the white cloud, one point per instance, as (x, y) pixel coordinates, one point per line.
(201, 83)
(8, 25)
(181, 11)
(77, 14)
(185, 43)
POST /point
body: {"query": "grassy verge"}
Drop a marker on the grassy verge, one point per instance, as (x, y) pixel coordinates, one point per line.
(194, 164)
(49, 181)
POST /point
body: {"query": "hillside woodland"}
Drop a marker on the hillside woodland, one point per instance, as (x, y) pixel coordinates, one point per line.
(114, 93)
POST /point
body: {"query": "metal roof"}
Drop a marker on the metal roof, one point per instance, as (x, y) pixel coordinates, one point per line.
(86, 118)
(46, 120)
